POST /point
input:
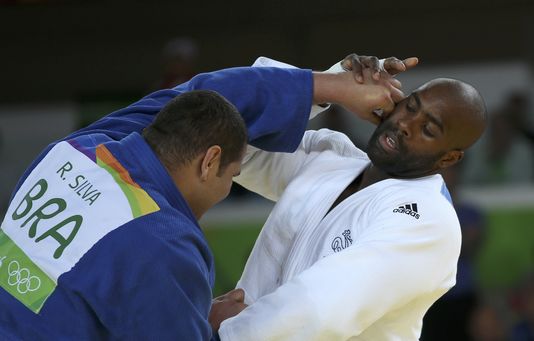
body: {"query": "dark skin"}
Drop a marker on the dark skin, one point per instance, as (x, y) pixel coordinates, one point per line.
(365, 69)
(230, 304)
(426, 132)
(226, 306)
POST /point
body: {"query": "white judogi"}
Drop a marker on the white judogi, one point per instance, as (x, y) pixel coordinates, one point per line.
(367, 270)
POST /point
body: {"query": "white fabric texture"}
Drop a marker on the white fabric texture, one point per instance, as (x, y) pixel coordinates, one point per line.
(367, 270)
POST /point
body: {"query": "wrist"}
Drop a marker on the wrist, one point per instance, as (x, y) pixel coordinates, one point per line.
(327, 88)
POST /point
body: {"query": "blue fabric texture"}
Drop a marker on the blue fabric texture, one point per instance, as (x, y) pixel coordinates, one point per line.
(152, 277)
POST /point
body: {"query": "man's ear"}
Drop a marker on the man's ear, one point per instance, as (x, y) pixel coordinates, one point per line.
(450, 158)
(210, 162)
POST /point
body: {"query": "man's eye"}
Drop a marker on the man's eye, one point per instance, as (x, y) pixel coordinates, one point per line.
(410, 108)
(427, 131)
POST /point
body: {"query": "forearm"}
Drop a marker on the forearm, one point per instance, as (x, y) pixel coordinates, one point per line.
(274, 102)
(359, 98)
(328, 87)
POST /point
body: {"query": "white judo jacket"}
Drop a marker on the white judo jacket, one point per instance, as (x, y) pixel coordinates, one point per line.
(367, 270)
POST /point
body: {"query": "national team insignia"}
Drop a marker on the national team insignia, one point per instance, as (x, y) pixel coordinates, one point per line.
(340, 243)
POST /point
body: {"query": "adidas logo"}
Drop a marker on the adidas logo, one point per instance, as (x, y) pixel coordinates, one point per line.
(409, 209)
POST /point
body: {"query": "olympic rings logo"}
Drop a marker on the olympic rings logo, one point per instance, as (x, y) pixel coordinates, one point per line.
(21, 278)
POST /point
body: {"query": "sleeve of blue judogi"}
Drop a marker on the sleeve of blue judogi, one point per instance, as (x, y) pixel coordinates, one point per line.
(274, 102)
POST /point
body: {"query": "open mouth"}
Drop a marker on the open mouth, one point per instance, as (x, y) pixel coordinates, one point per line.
(389, 142)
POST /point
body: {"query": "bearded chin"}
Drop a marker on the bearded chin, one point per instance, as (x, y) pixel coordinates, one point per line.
(403, 164)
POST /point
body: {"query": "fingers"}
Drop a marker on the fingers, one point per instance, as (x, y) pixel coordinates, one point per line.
(385, 104)
(393, 66)
(410, 62)
(373, 64)
(237, 295)
(239, 307)
(352, 63)
(374, 118)
(357, 64)
(389, 105)
(395, 83)
(222, 310)
(346, 63)
(396, 94)
(368, 76)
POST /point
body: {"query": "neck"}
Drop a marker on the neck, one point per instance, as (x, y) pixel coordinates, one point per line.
(372, 175)
(368, 177)
(182, 178)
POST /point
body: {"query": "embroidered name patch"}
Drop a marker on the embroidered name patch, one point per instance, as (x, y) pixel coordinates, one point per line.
(70, 200)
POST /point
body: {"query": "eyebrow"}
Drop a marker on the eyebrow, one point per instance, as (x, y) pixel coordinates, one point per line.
(429, 115)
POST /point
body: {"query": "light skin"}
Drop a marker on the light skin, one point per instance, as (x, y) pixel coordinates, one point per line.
(204, 182)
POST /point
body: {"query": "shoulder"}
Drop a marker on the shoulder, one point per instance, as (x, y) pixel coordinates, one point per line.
(417, 207)
(166, 241)
(167, 232)
(150, 273)
(415, 221)
(142, 249)
(329, 140)
(429, 193)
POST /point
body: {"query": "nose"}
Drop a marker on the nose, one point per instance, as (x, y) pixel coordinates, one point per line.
(404, 127)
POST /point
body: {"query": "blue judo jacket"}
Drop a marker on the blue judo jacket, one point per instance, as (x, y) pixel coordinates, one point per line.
(72, 271)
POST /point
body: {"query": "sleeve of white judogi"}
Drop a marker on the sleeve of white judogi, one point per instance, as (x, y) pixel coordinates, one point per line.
(268, 173)
(341, 295)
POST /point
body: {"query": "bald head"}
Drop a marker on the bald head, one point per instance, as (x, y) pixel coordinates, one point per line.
(429, 130)
(461, 107)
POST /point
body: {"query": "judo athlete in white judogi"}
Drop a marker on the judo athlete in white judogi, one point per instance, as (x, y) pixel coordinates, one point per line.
(358, 246)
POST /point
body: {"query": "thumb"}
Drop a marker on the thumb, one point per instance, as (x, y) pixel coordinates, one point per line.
(237, 295)
(410, 62)
(394, 66)
(387, 104)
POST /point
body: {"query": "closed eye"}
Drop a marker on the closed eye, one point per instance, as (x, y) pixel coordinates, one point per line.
(410, 105)
(427, 131)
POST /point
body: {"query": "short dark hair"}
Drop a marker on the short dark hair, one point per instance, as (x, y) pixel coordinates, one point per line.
(191, 123)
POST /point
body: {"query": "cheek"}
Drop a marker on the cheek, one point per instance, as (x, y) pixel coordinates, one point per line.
(222, 190)
(420, 146)
(227, 185)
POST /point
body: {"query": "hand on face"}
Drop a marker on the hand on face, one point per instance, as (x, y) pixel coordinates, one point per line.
(382, 90)
(365, 99)
(226, 306)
